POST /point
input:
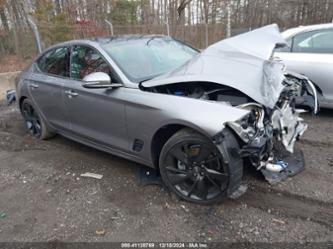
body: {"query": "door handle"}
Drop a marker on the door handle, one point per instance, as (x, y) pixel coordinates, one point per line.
(71, 93)
(34, 86)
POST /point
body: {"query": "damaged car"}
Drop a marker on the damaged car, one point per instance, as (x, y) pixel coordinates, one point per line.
(198, 118)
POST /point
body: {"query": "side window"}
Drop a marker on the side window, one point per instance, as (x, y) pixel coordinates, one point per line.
(314, 42)
(86, 60)
(55, 62)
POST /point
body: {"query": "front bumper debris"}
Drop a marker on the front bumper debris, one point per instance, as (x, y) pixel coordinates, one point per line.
(291, 126)
(294, 164)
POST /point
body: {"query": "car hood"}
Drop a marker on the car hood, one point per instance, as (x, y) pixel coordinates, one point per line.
(242, 62)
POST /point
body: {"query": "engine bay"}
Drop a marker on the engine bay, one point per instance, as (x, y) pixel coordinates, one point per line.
(206, 91)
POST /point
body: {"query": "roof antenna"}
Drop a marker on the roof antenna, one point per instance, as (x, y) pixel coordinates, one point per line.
(36, 33)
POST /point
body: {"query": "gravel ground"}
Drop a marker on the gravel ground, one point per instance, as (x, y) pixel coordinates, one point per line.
(43, 197)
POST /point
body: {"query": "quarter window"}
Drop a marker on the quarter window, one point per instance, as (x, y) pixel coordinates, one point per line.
(314, 42)
(86, 60)
(55, 62)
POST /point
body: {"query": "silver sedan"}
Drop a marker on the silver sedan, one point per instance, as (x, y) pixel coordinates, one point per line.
(198, 118)
(310, 52)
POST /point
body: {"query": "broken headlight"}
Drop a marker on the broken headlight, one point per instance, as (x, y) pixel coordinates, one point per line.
(251, 124)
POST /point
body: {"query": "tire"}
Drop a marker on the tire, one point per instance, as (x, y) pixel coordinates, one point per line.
(34, 122)
(193, 167)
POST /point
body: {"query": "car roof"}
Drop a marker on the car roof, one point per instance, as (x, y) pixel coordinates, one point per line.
(115, 38)
(127, 37)
(301, 29)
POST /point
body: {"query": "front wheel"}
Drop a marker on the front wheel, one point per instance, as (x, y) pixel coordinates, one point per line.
(195, 170)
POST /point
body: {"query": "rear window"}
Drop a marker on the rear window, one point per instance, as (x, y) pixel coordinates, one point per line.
(55, 62)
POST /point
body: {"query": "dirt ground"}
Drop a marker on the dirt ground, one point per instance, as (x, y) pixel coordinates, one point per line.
(43, 197)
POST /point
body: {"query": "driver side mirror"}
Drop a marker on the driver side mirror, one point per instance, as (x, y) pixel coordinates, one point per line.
(99, 80)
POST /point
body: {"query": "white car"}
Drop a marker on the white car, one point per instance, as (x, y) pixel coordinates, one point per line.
(310, 52)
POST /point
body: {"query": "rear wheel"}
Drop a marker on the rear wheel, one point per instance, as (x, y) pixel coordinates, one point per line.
(195, 170)
(34, 122)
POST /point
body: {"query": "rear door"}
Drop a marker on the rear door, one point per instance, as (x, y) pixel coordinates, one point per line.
(45, 86)
(97, 115)
(311, 54)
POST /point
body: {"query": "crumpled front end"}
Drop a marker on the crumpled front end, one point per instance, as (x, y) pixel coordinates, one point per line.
(241, 72)
(268, 135)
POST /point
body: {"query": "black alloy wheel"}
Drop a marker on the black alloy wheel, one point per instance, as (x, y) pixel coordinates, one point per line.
(32, 120)
(193, 168)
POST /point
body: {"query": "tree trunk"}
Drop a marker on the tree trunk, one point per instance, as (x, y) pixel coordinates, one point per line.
(3, 16)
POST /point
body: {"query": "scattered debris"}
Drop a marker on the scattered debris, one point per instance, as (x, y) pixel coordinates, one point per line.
(100, 232)
(92, 175)
(149, 176)
(183, 207)
(114, 217)
(10, 96)
(279, 221)
(2, 215)
(168, 206)
(94, 192)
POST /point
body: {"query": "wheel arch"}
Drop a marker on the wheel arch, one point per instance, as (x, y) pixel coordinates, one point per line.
(22, 98)
(163, 134)
(318, 88)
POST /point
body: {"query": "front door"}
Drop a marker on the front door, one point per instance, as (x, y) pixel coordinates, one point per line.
(97, 115)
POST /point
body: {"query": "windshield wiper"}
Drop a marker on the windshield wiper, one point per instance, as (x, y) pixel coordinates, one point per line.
(150, 78)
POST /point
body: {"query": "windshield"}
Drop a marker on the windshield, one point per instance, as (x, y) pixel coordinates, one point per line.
(146, 58)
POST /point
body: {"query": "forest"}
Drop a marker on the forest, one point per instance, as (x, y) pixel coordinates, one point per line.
(198, 22)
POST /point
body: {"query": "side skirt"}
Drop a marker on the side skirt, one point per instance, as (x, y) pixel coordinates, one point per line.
(106, 149)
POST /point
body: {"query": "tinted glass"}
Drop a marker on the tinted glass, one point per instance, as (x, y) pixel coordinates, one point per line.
(145, 58)
(314, 42)
(86, 60)
(55, 62)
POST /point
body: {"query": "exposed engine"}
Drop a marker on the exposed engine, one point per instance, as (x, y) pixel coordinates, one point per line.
(264, 131)
(206, 91)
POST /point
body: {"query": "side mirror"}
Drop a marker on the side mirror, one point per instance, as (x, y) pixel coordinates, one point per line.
(98, 80)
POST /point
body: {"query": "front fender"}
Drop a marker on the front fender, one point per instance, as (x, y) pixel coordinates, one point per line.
(151, 111)
(308, 95)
